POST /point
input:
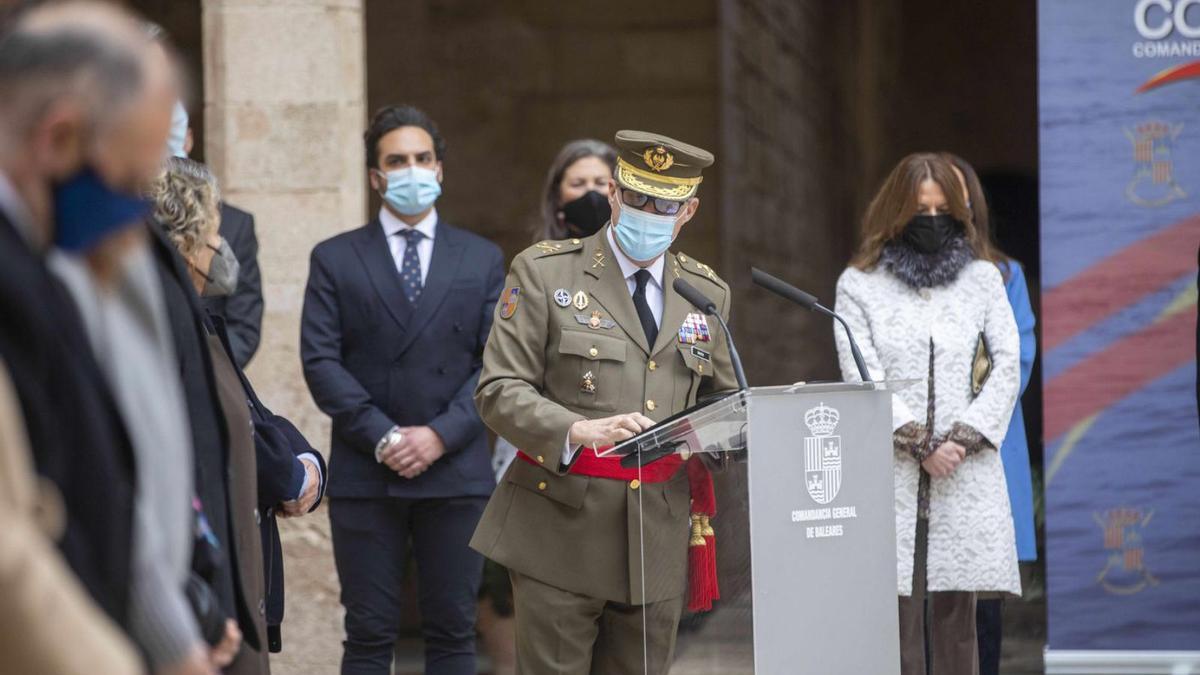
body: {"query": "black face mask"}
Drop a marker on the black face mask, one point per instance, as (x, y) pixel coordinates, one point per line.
(929, 234)
(586, 215)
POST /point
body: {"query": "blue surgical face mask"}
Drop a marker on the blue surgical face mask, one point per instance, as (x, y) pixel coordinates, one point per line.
(644, 236)
(412, 189)
(179, 128)
(86, 210)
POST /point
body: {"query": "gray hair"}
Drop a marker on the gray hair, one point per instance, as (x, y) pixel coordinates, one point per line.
(80, 50)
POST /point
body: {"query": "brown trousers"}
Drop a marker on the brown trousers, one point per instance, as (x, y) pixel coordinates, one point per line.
(946, 631)
(564, 633)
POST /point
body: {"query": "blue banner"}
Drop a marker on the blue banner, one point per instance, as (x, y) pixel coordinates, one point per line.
(1119, 119)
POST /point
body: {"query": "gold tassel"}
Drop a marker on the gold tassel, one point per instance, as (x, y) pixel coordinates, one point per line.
(698, 524)
(705, 528)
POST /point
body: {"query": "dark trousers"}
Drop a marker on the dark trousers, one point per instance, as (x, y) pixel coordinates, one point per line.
(938, 637)
(989, 622)
(372, 539)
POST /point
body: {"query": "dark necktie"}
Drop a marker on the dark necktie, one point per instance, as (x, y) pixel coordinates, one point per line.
(649, 325)
(410, 268)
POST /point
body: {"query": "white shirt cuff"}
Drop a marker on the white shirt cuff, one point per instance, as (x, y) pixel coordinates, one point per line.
(308, 457)
(569, 450)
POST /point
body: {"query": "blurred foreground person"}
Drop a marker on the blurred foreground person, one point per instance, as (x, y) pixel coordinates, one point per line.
(925, 290)
(271, 467)
(1014, 453)
(40, 598)
(69, 74)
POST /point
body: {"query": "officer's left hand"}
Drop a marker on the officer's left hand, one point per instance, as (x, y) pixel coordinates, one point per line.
(420, 448)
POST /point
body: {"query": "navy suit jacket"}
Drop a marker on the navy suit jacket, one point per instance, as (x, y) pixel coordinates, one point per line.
(372, 360)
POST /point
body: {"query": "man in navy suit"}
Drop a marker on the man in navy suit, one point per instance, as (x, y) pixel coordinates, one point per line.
(396, 315)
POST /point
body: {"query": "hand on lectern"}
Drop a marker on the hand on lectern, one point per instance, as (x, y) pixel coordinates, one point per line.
(608, 430)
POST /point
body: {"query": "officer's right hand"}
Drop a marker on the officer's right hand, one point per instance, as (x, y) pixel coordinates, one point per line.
(608, 430)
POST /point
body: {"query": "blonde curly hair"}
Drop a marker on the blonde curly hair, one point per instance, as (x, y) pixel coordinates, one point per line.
(185, 204)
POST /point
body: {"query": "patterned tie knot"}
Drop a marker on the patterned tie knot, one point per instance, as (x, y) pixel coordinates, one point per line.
(412, 235)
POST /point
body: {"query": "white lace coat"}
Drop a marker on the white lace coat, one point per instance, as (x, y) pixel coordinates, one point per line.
(971, 541)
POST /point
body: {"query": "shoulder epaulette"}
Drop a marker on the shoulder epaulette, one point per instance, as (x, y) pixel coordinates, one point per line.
(549, 247)
(698, 268)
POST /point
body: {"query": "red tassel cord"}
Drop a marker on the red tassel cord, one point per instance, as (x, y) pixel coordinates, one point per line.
(703, 588)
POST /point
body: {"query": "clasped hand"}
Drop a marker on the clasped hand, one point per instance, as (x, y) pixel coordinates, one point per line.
(944, 460)
(417, 450)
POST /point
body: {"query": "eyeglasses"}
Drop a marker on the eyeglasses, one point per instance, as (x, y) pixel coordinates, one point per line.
(637, 200)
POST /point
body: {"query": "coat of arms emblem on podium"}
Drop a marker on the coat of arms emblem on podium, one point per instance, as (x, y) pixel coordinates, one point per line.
(822, 454)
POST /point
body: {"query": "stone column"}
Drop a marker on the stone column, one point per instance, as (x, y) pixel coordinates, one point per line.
(285, 109)
(285, 100)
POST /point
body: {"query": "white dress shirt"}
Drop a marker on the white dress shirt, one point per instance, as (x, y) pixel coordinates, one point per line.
(654, 298)
(392, 226)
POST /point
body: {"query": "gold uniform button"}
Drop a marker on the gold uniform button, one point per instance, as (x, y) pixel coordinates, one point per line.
(635, 484)
(593, 352)
(574, 241)
(652, 365)
(541, 460)
(683, 258)
(542, 485)
(699, 367)
(651, 405)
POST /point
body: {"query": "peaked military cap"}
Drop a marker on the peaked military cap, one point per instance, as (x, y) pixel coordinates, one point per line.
(658, 165)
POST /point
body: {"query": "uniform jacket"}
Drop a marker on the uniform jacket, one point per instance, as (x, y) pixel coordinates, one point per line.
(576, 532)
(1015, 451)
(372, 360)
(971, 541)
(243, 310)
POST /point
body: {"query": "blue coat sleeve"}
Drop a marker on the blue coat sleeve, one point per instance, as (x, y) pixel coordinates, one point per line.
(336, 391)
(461, 422)
(1018, 297)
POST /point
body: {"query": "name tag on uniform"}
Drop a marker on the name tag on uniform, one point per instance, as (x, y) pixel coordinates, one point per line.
(701, 354)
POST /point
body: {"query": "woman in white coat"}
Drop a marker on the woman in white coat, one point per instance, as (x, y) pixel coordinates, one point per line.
(927, 302)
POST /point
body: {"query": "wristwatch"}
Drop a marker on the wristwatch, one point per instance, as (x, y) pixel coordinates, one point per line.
(394, 435)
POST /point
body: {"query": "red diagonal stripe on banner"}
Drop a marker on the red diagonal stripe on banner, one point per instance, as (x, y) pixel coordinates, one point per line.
(1118, 281)
(1175, 74)
(1113, 374)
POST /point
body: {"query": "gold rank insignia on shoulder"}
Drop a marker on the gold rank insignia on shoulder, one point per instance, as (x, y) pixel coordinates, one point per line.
(581, 301)
(598, 259)
(595, 321)
(547, 247)
(708, 271)
(588, 385)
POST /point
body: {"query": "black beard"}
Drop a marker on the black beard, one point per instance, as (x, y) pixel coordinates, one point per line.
(926, 270)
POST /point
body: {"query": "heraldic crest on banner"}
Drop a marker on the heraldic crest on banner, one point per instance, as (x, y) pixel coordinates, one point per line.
(822, 454)
(1125, 571)
(1153, 182)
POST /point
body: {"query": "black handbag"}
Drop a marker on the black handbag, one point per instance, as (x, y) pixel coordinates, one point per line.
(207, 609)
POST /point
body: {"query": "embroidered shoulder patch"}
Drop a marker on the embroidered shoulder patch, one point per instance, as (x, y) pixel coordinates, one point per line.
(508, 302)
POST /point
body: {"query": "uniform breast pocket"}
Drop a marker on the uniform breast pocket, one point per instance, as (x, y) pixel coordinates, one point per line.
(596, 363)
(698, 361)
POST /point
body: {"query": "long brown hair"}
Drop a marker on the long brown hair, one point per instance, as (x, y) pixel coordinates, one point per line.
(549, 227)
(896, 203)
(979, 206)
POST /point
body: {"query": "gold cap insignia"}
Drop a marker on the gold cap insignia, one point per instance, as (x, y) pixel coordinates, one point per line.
(657, 158)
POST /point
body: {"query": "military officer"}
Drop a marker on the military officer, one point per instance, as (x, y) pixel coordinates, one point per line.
(591, 345)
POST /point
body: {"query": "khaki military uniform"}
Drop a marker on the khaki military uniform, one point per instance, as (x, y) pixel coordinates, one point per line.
(547, 366)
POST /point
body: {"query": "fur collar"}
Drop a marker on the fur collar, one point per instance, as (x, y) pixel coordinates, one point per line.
(926, 270)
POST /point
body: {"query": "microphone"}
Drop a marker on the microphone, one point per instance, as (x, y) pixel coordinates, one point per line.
(809, 301)
(702, 303)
